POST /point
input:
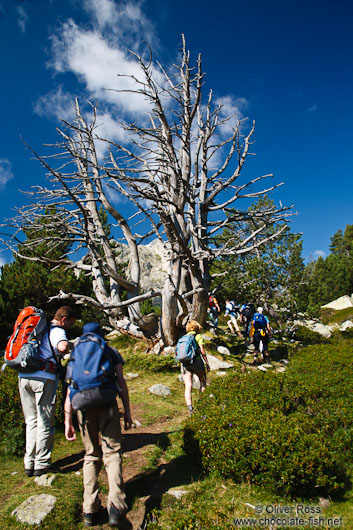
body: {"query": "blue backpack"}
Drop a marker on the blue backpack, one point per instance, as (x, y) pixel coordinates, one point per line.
(186, 349)
(259, 321)
(91, 374)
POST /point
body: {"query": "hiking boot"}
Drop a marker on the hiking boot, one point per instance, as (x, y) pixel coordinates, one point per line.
(118, 520)
(191, 410)
(40, 472)
(89, 519)
(29, 472)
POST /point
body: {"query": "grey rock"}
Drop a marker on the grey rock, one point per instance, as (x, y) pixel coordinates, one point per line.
(178, 494)
(45, 480)
(113, 335)
(324, 503)
(137, 423)
(160, 390)
(281, 369)
(223, 350)
(216, 364)
(284, 361)
(169, 350)
(34, 509)
(130, 375)
(314, 325)
(345, 326)
(221, 373)
(343, 302)
(153, 262)
(262, 368)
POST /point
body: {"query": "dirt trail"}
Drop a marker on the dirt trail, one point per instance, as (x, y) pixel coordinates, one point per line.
(143, 488)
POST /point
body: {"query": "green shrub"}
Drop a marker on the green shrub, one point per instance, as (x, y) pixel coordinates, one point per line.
(307, 336)
(12, 429)
(149, 362)
(290, 432)
(148, 307)
(330, 316)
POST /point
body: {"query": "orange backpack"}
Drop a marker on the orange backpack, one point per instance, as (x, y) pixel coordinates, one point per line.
(22, 350)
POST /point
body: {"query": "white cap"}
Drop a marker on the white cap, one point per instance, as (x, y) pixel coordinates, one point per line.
(260, 309)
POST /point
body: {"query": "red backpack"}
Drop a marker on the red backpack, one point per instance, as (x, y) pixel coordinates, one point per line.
(211, 302)
(22, 350)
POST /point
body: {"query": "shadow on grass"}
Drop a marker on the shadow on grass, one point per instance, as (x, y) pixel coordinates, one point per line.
(153, 484)
(131, 442)
(70, 463)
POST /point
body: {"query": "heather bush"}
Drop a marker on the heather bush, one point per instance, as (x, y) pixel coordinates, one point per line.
(12, 429)
(290, 432)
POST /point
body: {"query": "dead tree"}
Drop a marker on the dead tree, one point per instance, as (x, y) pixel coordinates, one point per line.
(69, 211)
(181, 171)
(188, 170)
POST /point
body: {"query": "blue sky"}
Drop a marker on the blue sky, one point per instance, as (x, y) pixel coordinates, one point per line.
(285, 63)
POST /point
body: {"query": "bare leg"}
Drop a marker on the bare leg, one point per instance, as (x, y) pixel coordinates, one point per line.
(188, 388)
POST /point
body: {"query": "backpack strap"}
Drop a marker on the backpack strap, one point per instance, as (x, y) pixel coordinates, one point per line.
(60, 369)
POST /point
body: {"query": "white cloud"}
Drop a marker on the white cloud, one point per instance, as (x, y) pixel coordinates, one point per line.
(319, 254)
(125, 22)
(97, 63)
(22, 18)
(104, 11)
(108, 127)
(98, 53)
(57, 103)
(6, 173)
(231, 107)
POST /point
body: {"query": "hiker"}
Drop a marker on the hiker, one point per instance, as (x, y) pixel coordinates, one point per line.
(214, 309)
(246, 314)
(38, 394)
(261, 330)
(198, 365)
(98, 422)
(232, 310)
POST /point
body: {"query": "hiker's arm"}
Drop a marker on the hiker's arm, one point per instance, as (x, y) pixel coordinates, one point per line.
(124, 394)
(203, 353)
(70, 433)
(63, 347)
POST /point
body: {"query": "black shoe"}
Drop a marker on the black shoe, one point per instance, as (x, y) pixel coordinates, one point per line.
(29, 472)
(118, 520)
(89, 519)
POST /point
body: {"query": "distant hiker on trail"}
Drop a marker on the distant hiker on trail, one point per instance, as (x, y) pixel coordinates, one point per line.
(214, 309)
(246, 314)
(232, 310)
(38, 394)
(95, 377)
(260, 330)
(190, 351)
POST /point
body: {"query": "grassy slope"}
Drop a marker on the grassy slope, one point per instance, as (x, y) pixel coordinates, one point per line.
(210, 503)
